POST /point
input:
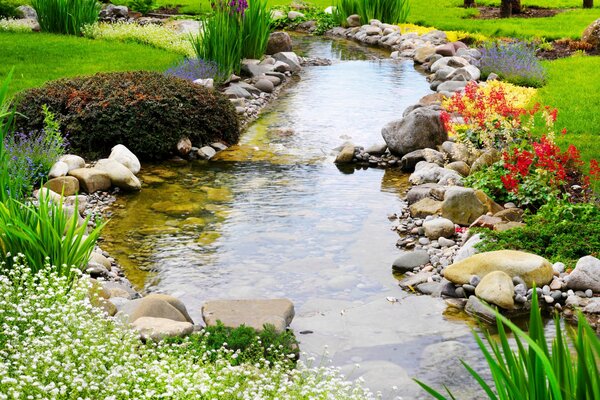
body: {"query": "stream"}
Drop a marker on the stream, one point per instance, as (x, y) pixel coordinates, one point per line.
(274, 217)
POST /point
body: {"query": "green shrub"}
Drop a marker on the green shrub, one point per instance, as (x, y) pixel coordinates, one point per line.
(145, 111)
(8, 8)
(560, 231)
(142, 6)
(66, 16)
(565, 370)
(248, 345)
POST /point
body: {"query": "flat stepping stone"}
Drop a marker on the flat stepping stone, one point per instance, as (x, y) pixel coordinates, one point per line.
(251, 313)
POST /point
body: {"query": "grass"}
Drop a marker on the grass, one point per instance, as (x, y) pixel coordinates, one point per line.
(40, 57)
(574, 88)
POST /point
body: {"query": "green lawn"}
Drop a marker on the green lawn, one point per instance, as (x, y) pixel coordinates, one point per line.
(39, 57)
(574, 89)
(448, 15)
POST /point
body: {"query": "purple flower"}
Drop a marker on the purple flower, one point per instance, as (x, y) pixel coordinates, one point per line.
(192, 69)
(514, 62)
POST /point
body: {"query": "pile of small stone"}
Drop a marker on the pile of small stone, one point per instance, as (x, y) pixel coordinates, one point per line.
(377, 155)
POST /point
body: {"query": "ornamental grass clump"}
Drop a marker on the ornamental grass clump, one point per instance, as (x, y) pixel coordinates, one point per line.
(66, 16)
(55, 345)
(567, 369)
(388, 11)
(514, 62)
(236, 30)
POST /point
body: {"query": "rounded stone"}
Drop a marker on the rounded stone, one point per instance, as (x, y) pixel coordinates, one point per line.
(497, 288)
(439, 227)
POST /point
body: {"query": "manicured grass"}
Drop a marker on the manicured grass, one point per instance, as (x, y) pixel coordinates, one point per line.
(39, 57)
(574, 89)
(449, 15)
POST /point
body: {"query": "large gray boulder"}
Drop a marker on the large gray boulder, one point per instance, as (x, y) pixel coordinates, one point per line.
(290, 58)
(591, 35)
(408, 260)
(586, 275)
(420, 129)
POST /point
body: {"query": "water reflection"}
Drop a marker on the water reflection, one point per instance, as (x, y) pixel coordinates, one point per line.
(274, 217)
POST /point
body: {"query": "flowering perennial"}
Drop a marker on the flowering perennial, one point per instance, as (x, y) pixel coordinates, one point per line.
(492, 115)
(55, 345)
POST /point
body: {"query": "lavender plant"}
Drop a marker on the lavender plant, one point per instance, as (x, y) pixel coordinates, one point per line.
(513, 62)
(31, 155)
(192, 69)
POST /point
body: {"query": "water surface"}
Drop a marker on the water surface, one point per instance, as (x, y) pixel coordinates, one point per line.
(274, 217)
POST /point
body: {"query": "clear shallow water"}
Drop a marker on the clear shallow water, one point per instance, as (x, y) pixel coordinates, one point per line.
(274, 217)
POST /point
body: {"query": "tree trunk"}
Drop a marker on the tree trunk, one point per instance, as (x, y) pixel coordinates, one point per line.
(469, 3)
(516, 6)
(506, 9)
(586, 3)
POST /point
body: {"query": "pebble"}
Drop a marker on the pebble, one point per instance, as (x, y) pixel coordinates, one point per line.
(589, 293)
(460, 292)
(468, 288)
(520, 289)
(546, 290)
(559, 267)
(549, 299)
(424, 241)
(446, 242)
(474, 281)
(518, 281)
(520, 299)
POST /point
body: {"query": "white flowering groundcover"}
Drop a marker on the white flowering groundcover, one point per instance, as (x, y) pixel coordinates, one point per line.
(55, 345)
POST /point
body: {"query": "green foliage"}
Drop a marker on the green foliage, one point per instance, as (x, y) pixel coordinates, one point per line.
(324, 21)
(220, 41)
(537, 370)
(45, 233)
(248, 345)
(32, 154)
(142, 6)
(560, 231)
(343, 9)
(66, 16)
(532, 193)
(8, 8)
(256, 28)
(145, 111)
(387, 11)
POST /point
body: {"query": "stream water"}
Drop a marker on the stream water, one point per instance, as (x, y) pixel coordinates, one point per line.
(274, 217)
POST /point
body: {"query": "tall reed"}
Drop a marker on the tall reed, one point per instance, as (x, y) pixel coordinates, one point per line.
(220, 41)
(256, 29)
(538, 371)
(388, 11)
(66, 16)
